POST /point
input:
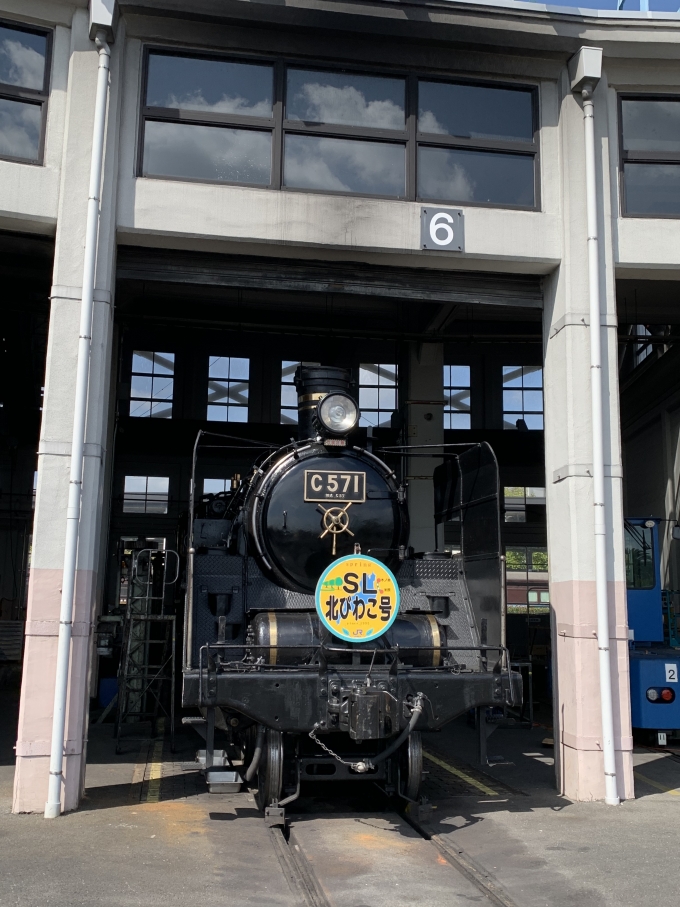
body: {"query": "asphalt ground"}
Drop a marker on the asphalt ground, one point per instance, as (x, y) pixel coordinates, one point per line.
(149, 833)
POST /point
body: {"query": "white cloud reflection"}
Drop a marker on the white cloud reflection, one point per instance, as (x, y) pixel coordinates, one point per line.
(344, 165)
(206, 152)
(194, 100)
(346, 106)
(440, 176)
(21, 65)
(19, 129)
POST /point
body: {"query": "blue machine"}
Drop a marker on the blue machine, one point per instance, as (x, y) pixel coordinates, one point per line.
(655, 641)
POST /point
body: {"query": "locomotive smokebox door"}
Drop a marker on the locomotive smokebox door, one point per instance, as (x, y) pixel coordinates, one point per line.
(372, 714)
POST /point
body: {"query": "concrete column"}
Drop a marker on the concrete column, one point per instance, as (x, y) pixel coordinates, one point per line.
(425, 425)
(578, 727)
(42, 625)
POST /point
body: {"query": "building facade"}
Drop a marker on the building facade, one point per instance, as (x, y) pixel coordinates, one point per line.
(266, 172)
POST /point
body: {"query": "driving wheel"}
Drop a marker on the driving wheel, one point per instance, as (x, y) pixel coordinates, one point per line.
(411, 766)
(270, 770)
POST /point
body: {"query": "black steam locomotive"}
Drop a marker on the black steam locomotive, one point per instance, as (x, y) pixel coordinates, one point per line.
(262, 661)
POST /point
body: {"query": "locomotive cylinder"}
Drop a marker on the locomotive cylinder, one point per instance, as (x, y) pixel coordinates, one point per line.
(292, 639)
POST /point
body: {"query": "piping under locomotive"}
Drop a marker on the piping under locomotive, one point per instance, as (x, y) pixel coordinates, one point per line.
(301, 703)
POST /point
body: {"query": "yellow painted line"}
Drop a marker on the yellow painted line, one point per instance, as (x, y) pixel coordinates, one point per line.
(153, 791)
(661, 787)
(462, 775)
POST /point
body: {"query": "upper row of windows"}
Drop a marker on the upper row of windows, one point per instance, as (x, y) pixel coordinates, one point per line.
(273, 125)
(152, 391)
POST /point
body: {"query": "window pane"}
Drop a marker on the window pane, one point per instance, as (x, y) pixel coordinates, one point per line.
(387, 397)
(652, 188)
(142, 361)
(512, 401)
(458, 401)
(651, 125)
(161, 410)
(473, 111)
(158, 484)
(457, 420)
(534, 421)
(141, 386)
(22, 58)
(209, 85)
(350, 100)
(288, 396)
(457, 375)
(162, 388)
(218, 367)
(140, 409)
(456, 175)
(237, 414)
(207, 153)
(512, 376)
(217, 413)
(19, 129)
(533, 375)
(533, 401)
(163, 363)
(344, 165)
(239, 368)
(368, 398)
(214, 486)
(367, 376)
(135, 483)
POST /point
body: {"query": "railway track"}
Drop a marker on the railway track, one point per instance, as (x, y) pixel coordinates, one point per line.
(372, 859)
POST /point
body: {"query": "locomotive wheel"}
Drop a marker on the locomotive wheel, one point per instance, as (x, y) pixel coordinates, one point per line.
(270, 770)
(411, 765)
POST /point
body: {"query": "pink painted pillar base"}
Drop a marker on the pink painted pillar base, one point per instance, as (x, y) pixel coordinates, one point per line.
(37, 692)
(577, 691)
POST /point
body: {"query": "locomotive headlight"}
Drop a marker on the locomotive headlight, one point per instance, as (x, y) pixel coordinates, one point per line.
(338, 413)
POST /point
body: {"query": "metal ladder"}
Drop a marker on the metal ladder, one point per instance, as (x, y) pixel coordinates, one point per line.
(146, 675)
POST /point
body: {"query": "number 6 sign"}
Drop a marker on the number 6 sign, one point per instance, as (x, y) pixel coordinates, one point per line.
(442, 229)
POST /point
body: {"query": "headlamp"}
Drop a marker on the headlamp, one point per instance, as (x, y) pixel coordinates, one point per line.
(337, 414)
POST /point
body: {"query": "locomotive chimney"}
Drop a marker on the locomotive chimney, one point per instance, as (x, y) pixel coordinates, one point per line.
(313, 383)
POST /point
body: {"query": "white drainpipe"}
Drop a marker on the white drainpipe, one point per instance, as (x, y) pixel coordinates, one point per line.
(585, 70)
(53, 805)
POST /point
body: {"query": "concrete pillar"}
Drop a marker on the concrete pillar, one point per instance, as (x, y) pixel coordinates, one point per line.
(578, 727)
(425, 425)
(42, 625)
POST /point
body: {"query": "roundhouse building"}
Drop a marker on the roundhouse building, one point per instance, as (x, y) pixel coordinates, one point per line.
(400, 188)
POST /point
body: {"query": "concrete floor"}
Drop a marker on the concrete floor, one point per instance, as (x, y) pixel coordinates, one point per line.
(148, 834)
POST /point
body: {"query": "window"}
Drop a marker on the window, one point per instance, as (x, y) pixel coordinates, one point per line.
(255, 123)
(457, 396)
(24, 78)
(526, 571)
(216, 486)
(146, 494)
(228, 389)
(289, 400)
(152, 384)
(639, 546)
(650, 155)
(377, 394)
(523, 397)
(466, 136)
(208, 119)
(516, 498)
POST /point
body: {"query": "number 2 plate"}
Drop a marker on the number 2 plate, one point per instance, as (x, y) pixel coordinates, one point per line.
(322, 485)
(671, 673)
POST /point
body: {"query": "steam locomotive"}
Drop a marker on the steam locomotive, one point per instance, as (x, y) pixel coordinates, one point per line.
(314, 635)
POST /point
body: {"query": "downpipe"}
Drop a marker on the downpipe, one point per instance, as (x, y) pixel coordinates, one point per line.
(603, 639)
(56, 779)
